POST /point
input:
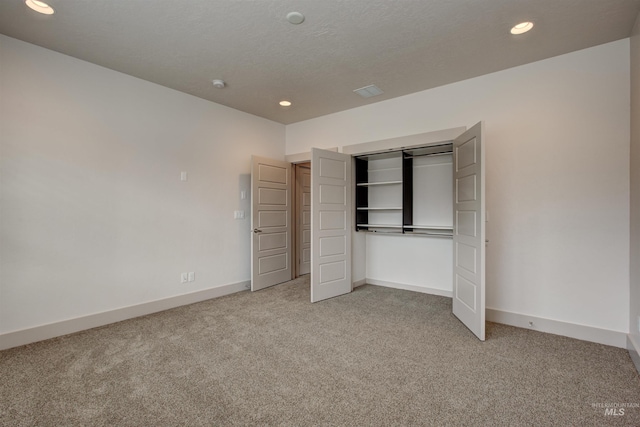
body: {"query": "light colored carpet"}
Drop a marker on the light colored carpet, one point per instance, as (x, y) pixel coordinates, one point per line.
(375, 357)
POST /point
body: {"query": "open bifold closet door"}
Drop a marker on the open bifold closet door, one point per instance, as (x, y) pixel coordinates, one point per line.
(469, 231)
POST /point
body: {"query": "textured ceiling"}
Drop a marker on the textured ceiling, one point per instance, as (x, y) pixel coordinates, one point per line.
(402, 46)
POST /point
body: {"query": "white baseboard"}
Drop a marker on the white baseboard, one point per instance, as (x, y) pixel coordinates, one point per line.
(572, 330)
(633, 345)
(52, 330)
(359, 283)
(422, 289)
(557, 327)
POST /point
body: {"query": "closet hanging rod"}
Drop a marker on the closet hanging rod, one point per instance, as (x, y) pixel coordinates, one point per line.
(397, 233)
(412, 156)
(449, 236)
(422, 233)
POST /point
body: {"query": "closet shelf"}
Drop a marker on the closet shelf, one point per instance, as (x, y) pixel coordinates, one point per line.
(370, 184)
(380, 209)
(379, 225)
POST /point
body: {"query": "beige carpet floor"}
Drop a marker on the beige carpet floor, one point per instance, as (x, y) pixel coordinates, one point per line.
(375, 357)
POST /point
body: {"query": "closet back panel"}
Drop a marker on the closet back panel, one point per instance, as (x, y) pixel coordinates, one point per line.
(433, 190)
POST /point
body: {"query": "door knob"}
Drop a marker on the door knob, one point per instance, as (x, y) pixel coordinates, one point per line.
(255, 230)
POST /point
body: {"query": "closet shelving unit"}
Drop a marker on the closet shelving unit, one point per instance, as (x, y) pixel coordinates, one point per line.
(406, 191)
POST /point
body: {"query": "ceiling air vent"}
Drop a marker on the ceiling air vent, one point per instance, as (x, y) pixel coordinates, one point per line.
(369, 91)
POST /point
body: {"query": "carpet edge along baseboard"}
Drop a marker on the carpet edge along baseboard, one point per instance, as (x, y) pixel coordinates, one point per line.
(65, 327)
(557, 327)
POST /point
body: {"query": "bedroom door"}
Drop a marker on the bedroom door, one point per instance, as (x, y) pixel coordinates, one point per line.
(270, 222)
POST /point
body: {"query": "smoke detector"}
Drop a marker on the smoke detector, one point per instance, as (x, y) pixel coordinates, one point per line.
(217, 83)
(295, 18)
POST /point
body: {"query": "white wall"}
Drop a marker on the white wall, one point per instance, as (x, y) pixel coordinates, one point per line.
(635, 184)
(557, 154)
(94, 216)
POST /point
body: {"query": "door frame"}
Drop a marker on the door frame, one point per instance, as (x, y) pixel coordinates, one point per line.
(296, 205)
(294, 221)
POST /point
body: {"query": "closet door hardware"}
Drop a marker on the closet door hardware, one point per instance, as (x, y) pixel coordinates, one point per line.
(255, 230)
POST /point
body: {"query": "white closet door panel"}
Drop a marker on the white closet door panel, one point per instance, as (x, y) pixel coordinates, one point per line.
(469, 230)
(330, 224)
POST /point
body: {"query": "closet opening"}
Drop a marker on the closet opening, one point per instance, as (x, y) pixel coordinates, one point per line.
(426, 185)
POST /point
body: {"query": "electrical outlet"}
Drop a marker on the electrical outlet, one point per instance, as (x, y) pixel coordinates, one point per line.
(192, 276)
(184, 278)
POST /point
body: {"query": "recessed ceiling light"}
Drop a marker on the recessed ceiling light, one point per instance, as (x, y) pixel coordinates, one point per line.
(40, 6)
(285, 103)
(295, 18)
(522, 27)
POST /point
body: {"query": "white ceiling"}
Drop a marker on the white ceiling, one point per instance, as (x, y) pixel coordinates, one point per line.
(402, 46)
